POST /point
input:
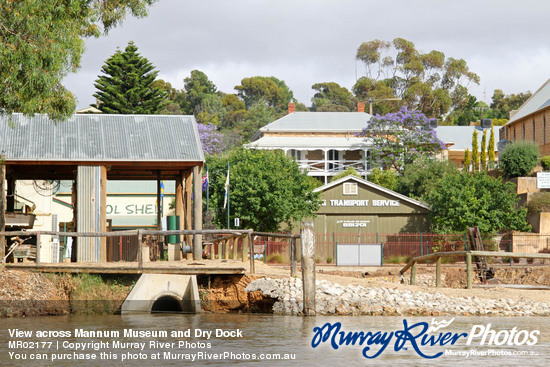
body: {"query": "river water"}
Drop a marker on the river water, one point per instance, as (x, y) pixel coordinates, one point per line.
(259, 339)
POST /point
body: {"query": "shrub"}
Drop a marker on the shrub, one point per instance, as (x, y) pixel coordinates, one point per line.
(540, 202)
(384, 178)
(519, 158)
(545, 163)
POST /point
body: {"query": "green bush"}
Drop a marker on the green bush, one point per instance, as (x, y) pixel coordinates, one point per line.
(540, 202)
(384, 178)
(519, 158)
(545, 163)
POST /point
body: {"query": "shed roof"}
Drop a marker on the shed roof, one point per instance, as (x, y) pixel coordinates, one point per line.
(320, 121)
(539, 100)
(100, 138)
(372, 186)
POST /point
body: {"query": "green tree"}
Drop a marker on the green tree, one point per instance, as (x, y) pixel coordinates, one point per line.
(419, 178)
(331, 97)
(467, 161)
(483, 154)
(269, 90)
(463, 200)
(197, 87)
(350, 171)
(428, 82)
(385, 178)
(502, 104)
(267, 189)
(475, 152)
(491, 148)
(127, 85)
(175, 99)
(42, 41)
(519, 158)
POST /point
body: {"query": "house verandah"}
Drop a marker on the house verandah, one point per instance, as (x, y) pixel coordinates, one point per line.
(322, 143)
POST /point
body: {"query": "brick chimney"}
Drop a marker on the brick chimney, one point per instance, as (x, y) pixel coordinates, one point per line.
(361, 107)
(291, 107)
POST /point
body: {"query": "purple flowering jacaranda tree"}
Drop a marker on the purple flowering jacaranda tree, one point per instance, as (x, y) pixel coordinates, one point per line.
(211, 139)
(401, 137)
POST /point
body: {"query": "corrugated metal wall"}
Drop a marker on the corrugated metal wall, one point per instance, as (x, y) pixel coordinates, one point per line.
(88, 212)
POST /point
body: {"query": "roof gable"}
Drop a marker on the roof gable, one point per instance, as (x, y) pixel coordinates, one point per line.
(539, 100)
(374, 187)
(100, 137)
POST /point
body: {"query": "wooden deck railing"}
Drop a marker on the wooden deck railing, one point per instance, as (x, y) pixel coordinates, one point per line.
(468, 254)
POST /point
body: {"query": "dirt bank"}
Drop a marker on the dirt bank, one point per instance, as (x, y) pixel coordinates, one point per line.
(24, 293)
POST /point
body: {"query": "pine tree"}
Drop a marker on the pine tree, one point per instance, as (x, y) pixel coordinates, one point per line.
(466, 167)
(128, 85)
(475, 156)
(491, 148)
(483, 155)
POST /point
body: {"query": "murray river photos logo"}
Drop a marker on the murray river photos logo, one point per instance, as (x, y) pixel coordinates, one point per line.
(421, 337)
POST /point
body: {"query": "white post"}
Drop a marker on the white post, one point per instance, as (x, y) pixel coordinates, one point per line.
(307, 245)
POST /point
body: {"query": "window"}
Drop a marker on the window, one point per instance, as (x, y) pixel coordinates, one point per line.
(296, 154)
(332, 157)
(534, 135)
(515, 132)
(350, 188)
(523, 131)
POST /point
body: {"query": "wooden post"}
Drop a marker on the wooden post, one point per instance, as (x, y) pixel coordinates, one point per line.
(234, 243)
(179, 207)
(293, 258)
(244, 249)
(103, 215)
(413, 274)
(469, 270)
(140, 254)
(226, 249)
(438, 272)
(2, 211)
(187, 205)
(37, 261)
(307, 241)
(211, 252)
(197, 212)
(251, 252)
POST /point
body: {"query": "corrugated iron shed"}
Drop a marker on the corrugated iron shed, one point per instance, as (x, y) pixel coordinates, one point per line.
(100, 138)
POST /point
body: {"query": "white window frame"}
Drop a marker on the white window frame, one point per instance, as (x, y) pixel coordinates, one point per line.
(350, 188)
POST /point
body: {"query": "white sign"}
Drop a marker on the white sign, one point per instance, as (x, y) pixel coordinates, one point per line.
(543, 180)
(363, 203)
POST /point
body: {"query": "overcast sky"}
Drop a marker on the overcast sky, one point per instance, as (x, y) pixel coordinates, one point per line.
(506, 42)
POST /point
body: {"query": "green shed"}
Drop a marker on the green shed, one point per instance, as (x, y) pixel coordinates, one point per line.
(352, 204)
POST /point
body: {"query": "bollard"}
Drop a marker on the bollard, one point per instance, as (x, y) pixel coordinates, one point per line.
(469, 270)
(307, 242)
(438, 273)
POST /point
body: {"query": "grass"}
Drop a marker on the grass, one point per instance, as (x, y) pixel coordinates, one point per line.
(96, 294)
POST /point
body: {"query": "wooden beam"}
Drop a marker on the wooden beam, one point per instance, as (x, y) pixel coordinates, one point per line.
(103, 215)
(187, 219)
(159, 204)
(413, 274)
(197, 211)
(180, 212)
(469, 270)
(251, 252)
(127, 269)
(307, 240)
(438, 273)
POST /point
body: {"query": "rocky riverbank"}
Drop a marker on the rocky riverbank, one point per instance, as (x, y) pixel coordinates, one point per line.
(335, 299)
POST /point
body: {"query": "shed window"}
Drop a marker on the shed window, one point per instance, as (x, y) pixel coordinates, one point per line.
(350, 188)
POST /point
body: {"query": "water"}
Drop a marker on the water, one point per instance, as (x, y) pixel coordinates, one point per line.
(261, 334)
